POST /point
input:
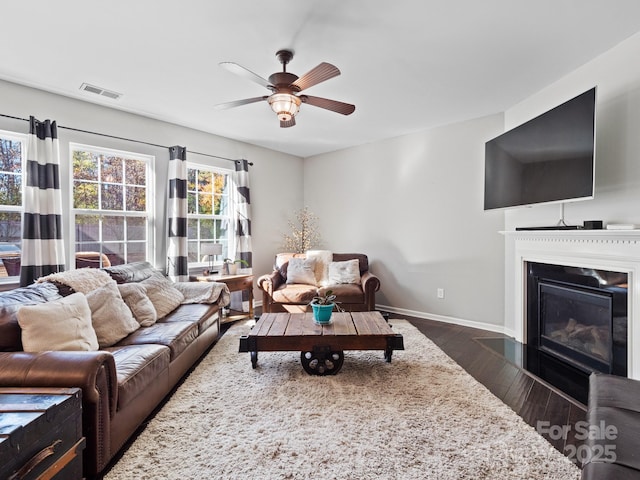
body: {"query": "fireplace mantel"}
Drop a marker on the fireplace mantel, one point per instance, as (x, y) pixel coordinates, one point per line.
(614, 250)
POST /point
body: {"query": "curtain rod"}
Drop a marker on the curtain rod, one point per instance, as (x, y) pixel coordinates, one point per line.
(142, 142)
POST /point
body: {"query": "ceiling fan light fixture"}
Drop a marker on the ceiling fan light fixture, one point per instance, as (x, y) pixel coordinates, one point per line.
(285, 105)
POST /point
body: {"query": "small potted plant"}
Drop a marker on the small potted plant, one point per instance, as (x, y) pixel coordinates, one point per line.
(323, 305)
(230, 267)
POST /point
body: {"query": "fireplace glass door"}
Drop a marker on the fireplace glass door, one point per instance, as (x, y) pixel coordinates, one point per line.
(576, 325)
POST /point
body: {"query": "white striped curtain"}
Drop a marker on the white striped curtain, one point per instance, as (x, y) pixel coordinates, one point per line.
(177, 253)
(42, 243)
(242, 202)
(243, 212)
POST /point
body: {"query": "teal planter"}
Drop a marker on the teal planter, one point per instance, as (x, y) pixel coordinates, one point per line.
(322, 313)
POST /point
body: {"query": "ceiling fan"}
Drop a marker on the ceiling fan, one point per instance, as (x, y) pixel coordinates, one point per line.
(285, 87)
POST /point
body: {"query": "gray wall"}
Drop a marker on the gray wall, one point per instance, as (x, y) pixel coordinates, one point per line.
(270, 203)
(414, 205)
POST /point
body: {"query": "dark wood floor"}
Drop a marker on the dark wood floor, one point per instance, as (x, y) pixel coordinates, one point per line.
(531, 398)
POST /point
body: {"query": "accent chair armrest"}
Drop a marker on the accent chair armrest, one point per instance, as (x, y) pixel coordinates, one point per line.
(370, 285)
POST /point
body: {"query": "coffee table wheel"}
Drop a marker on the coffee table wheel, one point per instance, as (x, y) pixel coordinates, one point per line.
(321, 362)
(254, 359)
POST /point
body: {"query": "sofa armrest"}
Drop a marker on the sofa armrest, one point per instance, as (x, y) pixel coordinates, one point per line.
(85, 370)
(370, 285)
(270, 282)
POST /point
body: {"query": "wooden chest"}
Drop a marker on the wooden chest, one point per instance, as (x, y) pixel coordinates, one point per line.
(40, 433)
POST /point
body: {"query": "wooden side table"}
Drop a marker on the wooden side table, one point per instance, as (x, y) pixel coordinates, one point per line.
(236, 283)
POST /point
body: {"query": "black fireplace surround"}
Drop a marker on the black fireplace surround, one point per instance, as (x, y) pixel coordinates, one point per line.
(576, 323)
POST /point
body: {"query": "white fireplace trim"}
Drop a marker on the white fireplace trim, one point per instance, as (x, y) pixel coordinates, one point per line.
(612, 250)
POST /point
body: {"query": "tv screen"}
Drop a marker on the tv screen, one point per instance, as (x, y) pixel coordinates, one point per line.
(550, 158)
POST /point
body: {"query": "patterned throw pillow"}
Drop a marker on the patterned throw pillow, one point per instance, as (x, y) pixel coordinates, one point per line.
(344, 272)
(164, 296)
(301, 270)
(135, 296)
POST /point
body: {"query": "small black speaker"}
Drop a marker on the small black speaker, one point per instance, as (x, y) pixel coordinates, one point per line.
(593, 224)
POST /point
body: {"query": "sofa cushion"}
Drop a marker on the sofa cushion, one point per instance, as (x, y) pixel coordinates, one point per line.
(138, 366)
(302, 270)
(135, 296)
(201, 314)
(295, 293)
(175, 335)
(63, 324)
(164, 296)
(11, 301)
(131, 272)
(344, 272)
(111, 318)
(345, 293)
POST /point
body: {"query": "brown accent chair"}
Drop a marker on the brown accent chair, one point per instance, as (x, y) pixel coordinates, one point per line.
(92, 260)
(280, 296)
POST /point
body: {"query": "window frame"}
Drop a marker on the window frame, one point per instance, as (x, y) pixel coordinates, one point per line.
(23, 139)
(228, 244)
(149, 213)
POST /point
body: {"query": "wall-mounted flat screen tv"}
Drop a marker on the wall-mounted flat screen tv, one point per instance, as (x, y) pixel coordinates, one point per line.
(550, 158)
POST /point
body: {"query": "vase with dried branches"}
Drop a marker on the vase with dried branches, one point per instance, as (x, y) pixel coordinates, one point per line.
(304, 232)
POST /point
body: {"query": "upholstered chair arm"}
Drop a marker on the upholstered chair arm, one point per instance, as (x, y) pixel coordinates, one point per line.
(268, 284)
(370, 285)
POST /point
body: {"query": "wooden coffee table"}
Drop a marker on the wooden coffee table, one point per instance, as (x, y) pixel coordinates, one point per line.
(321, 346)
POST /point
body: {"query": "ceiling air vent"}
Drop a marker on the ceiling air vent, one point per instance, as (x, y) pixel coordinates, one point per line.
(100, 91)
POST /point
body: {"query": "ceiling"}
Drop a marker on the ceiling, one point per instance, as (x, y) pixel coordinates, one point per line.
(407, 65)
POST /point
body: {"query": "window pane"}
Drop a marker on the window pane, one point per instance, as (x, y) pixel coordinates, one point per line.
(207, 231)
(192, 228)
(136, 172)
(192, 255)
(112, 169)
(85, 166)
(10, 227)
(136, 228)
(87, 247)
(205, 204)
(136, 252)
(191, 202)
(10, 156)
(10, 189)
(112, 228)
(85, 195)
(205, 182)
(136, 199)
(87, 228)
(112, 197)
(115, 252)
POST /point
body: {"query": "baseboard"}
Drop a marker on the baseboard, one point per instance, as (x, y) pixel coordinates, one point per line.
(446, 319)
(440, 318)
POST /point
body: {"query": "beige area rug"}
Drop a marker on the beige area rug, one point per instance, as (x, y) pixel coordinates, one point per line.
(420, 417)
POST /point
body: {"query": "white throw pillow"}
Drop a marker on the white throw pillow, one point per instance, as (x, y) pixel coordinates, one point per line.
(164, 296)
(111, 318)
(63, 324)
(344, 272)
(301, 270)
(323, 258)
(135, 296)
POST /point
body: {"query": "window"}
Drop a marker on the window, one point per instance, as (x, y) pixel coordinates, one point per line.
(12, 149)
(112, 203)
(209, 211)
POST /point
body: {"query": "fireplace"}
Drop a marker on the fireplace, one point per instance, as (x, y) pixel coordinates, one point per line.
(578, 316)
(605, 260)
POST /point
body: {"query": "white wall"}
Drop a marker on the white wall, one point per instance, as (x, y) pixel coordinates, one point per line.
(414, 205)
(616, 74)
(275, 178)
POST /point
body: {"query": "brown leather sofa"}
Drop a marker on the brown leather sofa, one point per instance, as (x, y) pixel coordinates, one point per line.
(121, 385)
(280, 296)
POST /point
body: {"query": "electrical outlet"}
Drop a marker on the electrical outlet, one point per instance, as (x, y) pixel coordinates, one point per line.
(440, 293)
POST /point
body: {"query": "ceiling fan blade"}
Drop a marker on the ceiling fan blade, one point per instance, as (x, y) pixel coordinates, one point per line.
(290, 123)
(248, 74)
(316, 75)
(237, 103)
(333, 105)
